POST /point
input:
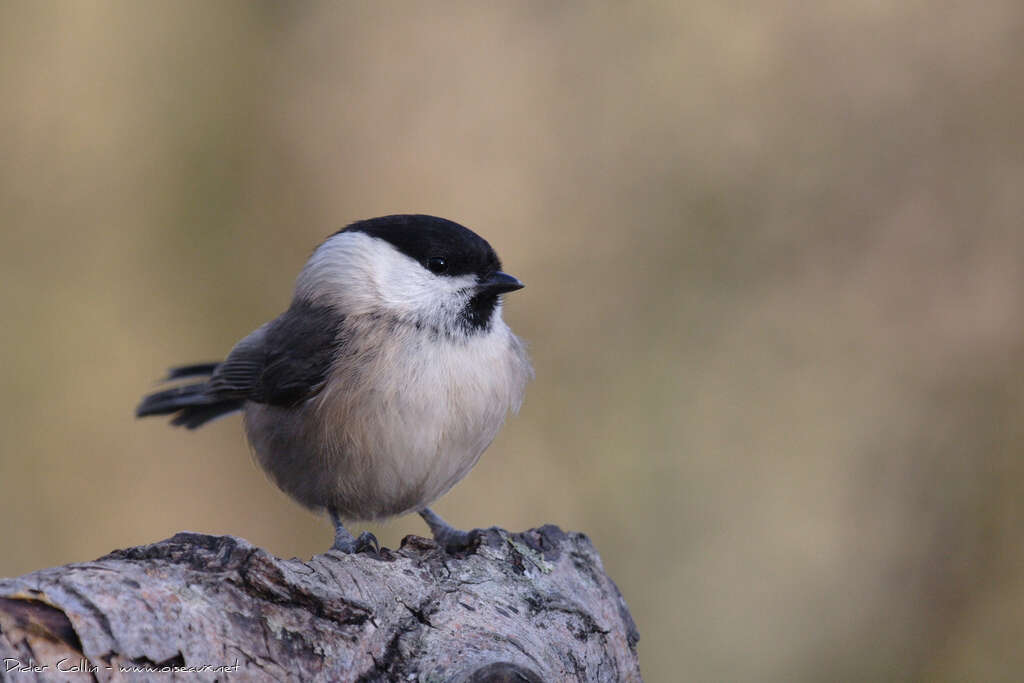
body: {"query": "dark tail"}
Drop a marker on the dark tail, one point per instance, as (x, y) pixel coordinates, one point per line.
(193, 404)
(196, 370)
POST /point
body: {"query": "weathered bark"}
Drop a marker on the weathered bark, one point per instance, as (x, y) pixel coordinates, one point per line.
(535, 606)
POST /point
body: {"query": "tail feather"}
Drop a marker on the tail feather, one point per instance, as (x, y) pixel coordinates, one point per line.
(194, 370)
(191, 404)
(172, 400)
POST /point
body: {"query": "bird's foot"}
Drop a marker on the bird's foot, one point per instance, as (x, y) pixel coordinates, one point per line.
(448, 537)
(366, 542)
(345, 543)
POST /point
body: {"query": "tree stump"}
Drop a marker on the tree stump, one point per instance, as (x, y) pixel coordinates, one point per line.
(535, 606)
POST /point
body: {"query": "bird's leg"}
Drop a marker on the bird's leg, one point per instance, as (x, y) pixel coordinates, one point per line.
(344, 541)
(450, 538)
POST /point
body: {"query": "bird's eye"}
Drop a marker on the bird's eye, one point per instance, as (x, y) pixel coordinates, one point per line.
(437, 264)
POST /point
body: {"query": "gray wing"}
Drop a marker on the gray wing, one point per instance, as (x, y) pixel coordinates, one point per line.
(285, 361)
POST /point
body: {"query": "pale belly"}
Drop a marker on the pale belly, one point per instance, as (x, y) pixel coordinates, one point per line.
(414, 427)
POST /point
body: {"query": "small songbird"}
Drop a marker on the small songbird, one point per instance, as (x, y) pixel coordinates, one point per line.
(384, 381)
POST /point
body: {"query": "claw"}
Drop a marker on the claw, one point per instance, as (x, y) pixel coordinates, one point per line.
(345, 543)
(367, 542)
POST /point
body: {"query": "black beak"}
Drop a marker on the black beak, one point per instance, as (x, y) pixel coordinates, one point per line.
(499, 283)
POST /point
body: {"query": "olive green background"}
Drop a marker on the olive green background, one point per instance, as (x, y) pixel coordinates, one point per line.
(774, 258)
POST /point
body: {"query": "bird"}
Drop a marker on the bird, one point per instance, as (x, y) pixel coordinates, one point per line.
(381, 385)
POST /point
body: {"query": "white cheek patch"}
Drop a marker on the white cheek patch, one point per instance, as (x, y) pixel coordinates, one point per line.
(411, 290)
(360, 274)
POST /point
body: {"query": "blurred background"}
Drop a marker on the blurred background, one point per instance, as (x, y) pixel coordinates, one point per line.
(775, 292)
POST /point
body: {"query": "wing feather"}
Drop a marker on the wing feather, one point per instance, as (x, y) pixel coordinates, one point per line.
(285, 362)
